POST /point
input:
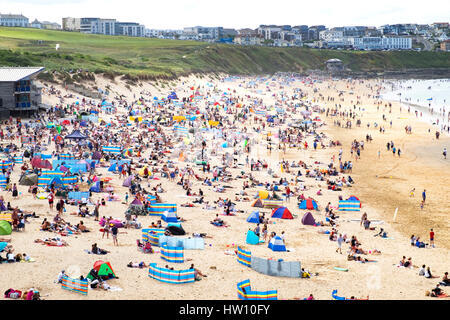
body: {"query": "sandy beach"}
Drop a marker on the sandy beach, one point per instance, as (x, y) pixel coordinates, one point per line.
(382, 183)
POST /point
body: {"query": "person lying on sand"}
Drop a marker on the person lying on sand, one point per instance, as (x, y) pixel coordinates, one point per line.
(136, 264)
(55, 242)
(201, 235)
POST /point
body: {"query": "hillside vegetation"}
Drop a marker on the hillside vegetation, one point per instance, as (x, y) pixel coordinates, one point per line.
(156, 58)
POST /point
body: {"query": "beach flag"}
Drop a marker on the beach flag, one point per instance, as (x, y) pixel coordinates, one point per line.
(244, 257)
(171, 276)
(244, 292)
(172, 254)
(75, 285)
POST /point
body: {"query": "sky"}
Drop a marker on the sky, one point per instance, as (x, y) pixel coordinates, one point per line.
(177, 14)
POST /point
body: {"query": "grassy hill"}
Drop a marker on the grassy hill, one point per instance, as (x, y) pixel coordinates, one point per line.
(155, 58)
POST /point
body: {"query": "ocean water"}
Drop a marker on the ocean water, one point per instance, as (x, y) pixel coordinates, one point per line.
(430, 98)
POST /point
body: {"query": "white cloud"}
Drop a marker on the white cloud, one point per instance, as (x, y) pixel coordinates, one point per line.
(236, 13)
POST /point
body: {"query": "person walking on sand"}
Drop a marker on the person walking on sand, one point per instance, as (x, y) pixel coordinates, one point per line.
(106, 229)
(411, 193)
(432, 238)
(115, 231)
(50, 200)
(444, 152)
(340, 239)
(424, 196)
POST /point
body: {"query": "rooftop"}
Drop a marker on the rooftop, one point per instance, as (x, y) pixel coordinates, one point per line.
(8, 74)
(12, 16)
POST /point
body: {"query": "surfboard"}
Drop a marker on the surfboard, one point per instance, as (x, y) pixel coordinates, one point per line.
(340, 269)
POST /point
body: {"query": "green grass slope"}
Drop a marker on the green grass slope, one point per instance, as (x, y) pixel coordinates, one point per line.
(154, 58)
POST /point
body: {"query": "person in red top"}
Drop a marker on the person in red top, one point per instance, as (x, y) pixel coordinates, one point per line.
(50, 200)
(432, 238)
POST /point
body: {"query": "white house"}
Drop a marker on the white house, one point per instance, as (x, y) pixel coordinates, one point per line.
(331, 35)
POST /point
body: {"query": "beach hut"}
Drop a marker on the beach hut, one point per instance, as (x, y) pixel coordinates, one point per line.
(277, 244)
(253, 217)
(282, 213)
(257, 203)
(252, 238)
(308, 204)
(308, 219)
(5, 228)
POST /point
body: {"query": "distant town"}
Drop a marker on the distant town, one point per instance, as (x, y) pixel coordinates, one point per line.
(410, 36)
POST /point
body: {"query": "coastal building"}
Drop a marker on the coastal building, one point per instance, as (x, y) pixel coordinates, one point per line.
(269, 32)
(18, 91)
(131, 29)
(103, 26)
(203, 33)
(13, 20)
(71, 24)
(248, 39)
(45, 25)
(314, 31)
(302, 30)
(331, 35)
(163, 33)
(334, 65)
(382, 43)
(445, 45)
